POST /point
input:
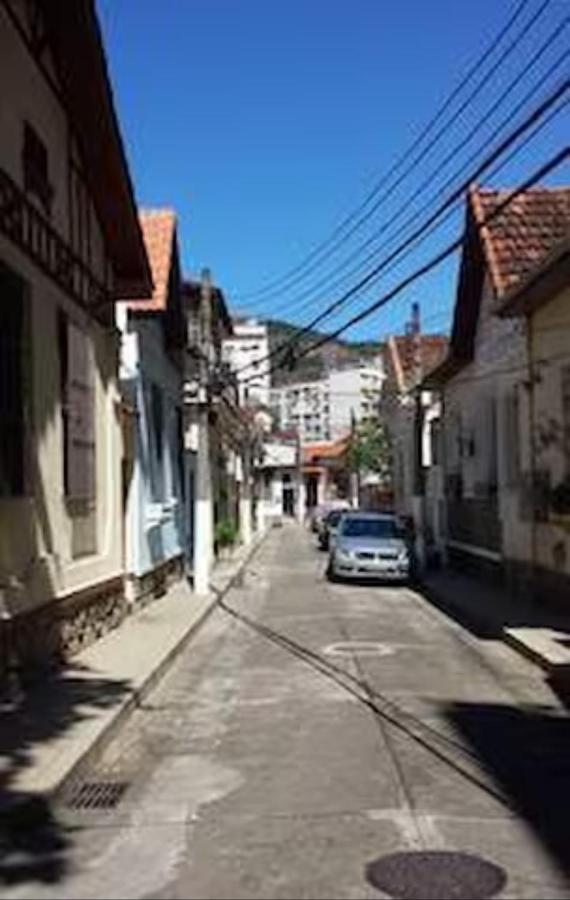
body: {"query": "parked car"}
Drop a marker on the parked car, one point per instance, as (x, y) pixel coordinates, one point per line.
(370, 545)
(320, 512)
(316, 517)
(328, 527)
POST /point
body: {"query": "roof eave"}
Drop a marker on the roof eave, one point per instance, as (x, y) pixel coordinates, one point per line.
(75, 35)
(443, 373)
(546, 281)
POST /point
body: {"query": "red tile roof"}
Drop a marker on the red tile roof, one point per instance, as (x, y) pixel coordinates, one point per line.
(433, 351)
(159, 229)
(511, 247)
(523, 235)
(326, 449)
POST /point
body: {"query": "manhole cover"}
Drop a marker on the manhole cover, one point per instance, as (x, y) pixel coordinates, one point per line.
(96, 795)
(368, 648)
(435, 875)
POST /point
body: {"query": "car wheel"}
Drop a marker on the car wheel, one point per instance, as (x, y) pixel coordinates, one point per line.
(331, 574)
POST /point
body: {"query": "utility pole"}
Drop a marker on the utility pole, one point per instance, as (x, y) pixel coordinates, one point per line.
(418, 412)
(354, 468)
(418, 474)
(204, 516)
(301, 500)
(245, 493)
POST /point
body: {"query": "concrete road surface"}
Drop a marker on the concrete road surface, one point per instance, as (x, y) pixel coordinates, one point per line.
(308, 732)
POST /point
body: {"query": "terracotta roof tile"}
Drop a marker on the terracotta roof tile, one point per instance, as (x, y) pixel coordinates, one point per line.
(158, 228)
(433, 351)
(523, 235)
(326, 449)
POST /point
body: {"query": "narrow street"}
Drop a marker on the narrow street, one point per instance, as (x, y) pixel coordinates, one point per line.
(309, 729)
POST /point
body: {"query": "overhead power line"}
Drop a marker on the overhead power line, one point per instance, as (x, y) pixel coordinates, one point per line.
(314, 292)
(436, 261)
(456, 194)
(359, 213)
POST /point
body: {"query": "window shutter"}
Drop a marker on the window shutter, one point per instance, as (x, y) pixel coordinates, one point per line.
(81, 417)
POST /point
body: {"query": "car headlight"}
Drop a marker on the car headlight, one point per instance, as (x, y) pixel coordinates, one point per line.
(404, 557)
(343, 554)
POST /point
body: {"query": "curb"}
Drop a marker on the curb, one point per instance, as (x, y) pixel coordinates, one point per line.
(532, 655)
(487, 629)
(134, 699)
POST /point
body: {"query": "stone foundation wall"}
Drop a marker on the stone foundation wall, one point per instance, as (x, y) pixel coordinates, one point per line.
(145, 588)
(49, 635)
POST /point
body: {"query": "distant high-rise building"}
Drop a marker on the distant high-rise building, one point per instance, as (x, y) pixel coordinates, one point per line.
(246, 353)
(323, 409)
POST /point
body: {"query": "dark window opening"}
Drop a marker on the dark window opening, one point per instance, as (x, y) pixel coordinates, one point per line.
(156, 425)
(36, 167)
(156, 415)
(180, 451)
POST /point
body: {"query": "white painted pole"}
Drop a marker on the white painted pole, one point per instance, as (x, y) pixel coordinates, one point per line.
(245, 496)
(204, 513)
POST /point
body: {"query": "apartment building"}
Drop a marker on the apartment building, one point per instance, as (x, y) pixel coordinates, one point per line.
(322, 410)
(246, 353)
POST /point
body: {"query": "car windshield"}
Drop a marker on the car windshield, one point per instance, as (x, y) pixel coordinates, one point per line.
(372, 528)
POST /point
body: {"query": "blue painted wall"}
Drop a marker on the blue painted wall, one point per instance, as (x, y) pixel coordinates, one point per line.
(155, 520)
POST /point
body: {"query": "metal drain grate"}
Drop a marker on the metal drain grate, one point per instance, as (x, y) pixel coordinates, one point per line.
(96, 795)
(436, 875)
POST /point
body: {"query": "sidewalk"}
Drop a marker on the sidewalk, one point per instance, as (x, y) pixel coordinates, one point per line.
(65, 721)
(540, 633)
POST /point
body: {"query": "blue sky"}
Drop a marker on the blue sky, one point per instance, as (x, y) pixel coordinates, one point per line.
(263, 123)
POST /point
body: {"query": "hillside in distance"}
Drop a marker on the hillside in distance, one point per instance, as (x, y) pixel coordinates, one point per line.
(315, 364)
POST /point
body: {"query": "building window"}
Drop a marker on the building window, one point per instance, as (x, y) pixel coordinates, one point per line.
(156, 428)
(78, 411)
(36, 168)
(435, 442)
(12, 374)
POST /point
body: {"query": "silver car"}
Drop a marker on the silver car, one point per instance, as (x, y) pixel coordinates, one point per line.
(369, 545)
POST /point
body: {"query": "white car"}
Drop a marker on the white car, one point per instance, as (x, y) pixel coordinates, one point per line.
(369, 545)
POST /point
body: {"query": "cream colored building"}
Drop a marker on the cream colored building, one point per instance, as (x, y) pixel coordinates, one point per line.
(543, 299)
(502, 386)
(70, 244)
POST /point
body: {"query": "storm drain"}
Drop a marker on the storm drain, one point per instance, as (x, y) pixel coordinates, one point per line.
(365, 648)
(101, 795)
(436, 875)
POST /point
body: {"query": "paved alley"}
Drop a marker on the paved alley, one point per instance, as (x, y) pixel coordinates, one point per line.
(307, 731)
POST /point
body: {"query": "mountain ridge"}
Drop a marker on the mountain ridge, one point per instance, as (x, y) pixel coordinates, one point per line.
(337, 352)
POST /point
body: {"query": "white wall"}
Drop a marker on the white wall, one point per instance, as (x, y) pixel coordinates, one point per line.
(322, 409)
(248, 350)
(155, 528)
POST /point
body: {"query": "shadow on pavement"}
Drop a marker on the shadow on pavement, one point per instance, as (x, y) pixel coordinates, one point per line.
(33, 844)
(520, 757)
(527, 752)
(487, 609)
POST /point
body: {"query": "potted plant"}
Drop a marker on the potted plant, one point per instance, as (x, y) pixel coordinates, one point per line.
(225, 538)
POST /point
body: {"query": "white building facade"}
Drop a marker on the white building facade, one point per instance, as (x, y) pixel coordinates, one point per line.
(246, 353)
(323, 410)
